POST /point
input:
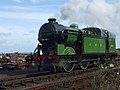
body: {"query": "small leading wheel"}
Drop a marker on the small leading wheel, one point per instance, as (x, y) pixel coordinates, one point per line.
(67, 65)
(49, 67)
(84, 65)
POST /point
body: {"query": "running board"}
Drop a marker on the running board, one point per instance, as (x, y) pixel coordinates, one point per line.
(90, 60)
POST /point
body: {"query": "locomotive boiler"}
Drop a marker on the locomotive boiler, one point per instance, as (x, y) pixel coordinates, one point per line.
(66, 47)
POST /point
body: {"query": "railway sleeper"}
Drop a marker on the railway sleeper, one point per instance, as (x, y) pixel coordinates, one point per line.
(44, 77)
(82, 86)
(39, 88)
(35, 79)
(23, 83)
(16, 83)
(2, 86)
(28, 80)
(58, 83)
(8, 83)
(50, 85)
(88, 85)
(52, 77)
(36, 88)
(45, 86)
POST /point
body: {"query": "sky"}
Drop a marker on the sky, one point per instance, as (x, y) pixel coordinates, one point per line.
(20, 20)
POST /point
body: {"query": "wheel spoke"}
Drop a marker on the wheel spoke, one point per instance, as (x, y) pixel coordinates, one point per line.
(68, 67)
(84, 65)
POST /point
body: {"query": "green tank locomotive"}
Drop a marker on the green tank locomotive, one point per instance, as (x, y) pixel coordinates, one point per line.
(63, 47)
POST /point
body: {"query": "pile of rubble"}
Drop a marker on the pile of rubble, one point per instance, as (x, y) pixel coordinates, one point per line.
(13, 61)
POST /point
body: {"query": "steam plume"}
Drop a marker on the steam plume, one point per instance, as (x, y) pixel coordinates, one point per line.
(94, 13)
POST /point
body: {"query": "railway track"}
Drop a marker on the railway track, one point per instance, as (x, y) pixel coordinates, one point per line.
(64, 83)
(75, 80)
(23, 81)
(10, 80)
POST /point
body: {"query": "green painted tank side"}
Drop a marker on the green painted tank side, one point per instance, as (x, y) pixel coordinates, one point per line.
(112, 46)
(62, 50)
(72, 36)
(93, 45)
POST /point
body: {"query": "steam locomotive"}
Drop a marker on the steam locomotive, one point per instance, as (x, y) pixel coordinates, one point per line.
(64, 47)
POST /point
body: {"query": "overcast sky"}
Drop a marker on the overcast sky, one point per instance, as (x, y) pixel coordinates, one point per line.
(20, 20)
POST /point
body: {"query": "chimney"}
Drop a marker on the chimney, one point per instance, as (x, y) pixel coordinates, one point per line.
(51, 20)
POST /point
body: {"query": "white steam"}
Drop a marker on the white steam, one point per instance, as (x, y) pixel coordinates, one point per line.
(94, 13)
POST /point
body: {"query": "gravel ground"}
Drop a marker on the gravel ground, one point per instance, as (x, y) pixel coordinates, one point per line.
(5, 73)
